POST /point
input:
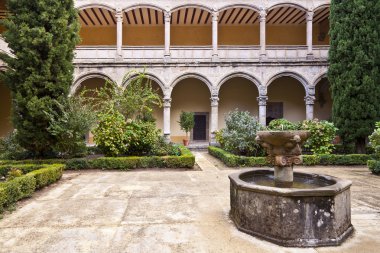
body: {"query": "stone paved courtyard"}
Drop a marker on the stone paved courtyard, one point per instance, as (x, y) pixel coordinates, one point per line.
(163, 211)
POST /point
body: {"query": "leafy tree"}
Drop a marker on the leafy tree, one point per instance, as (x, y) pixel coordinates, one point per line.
(354, 68)
(42, 35)
(186, 122)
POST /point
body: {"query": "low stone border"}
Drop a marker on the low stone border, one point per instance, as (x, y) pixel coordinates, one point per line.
(232, 160)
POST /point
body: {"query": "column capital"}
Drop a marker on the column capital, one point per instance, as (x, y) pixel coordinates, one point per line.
(167, 16)
(262, 100)
(309, 100)
(309, 15)
(214, 101)
(167, 102)
(215, 16)
(119, 14)
(263, 14)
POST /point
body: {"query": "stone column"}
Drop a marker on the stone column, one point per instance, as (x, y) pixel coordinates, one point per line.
(215, 54)
(119, 32)
(214, 118)
(263, 51)
(167, 105)
(167, 34)
(309, 34)
(309, 101)
(262, 110)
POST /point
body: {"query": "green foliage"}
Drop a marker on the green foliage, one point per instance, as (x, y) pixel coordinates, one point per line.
(141, 137)
(24, 168)
(185, 160)
(11, 149)
(42, 35)
(374, 138)
(76, 120)
(232, 160)
(162, 148)
(283, 125)
(110, 135)
(322, 135)
(354, 72)
(136, 102)
(374, 166)
(240, 133)
(13, 173)
(23, 186)
(186, 121)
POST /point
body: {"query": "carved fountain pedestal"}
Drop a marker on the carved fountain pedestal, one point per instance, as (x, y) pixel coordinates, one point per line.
(289, 208)
(284, 150)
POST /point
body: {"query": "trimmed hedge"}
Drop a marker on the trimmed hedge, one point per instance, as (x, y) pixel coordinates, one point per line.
(374, 166)
(24, 186)
(31, 162)
(308, 160)
(185, 160)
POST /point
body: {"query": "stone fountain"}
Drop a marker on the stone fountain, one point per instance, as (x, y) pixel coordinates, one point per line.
(287, 208)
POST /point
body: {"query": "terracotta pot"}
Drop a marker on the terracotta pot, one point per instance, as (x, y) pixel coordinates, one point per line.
(186, 142)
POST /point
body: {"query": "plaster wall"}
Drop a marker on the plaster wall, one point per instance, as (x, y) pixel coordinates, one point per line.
(5, 110)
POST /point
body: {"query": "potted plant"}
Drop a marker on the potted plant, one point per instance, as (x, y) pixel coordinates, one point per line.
(186, 122)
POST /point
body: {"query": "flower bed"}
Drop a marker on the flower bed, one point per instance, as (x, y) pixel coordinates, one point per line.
(232, 160)
(36, 177)
(185, 160)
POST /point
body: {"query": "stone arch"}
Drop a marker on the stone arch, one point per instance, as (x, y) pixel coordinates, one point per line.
(322, 6)
(294, 75)
(241, 74)
(288, 4)
(148, 6)
(245, 6)
(198, 6)
(102, 6)
(79, 80)
(200, 77)
(319, 78)
(148, 76)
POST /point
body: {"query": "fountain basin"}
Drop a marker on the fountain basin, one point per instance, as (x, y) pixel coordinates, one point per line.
(318, 214)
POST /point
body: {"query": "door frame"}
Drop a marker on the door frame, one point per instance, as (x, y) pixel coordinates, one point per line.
(207, 114)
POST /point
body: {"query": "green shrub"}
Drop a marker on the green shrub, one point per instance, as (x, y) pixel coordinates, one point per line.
(308, 160)
(13, 173)
(283, 125)
(109, 135)
(10, 148)
(24, 185)
(24, 168)
(47, 176)
(70, 124)
(186, 122)
(162, 148)
(374, 139)
(239, 136)
(374, 166)
(185, 160)
(322, 133)
(141, 138)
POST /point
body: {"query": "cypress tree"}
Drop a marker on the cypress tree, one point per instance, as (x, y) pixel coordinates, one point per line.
(354, 68)
(42, 35)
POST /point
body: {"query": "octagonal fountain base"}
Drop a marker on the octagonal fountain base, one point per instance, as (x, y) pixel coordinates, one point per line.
(316, 211)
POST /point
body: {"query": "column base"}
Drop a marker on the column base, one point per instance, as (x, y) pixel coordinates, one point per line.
(167, 138)
(310, 56)
(283, 176)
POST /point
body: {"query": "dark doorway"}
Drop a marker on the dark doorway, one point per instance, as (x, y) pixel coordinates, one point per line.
(275, 110)
(200, 127)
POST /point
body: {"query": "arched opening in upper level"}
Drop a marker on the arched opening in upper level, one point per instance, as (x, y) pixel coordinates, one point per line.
(321, 26)
(98, 26)
(238, 26)
(191, 26)
(286, 25)
(3, 13)
(143, 26)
